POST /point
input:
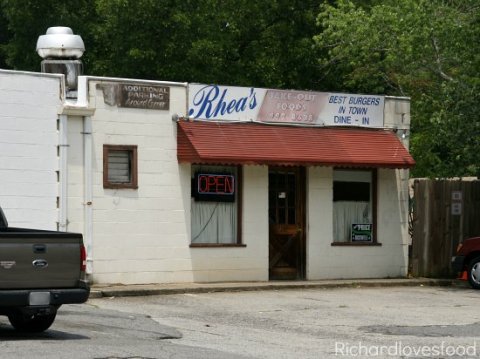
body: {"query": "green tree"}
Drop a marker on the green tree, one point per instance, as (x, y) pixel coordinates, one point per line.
(238, 42)
(428, 50)
(4, 39)
(265, 43)
(28, 19)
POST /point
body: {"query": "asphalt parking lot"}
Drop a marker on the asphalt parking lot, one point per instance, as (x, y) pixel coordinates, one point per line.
(364, 322)
(390, 322)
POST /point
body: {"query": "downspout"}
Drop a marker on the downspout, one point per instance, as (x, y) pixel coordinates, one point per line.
(86, 114)
(88, 191)
(63, 173)
(80, 108)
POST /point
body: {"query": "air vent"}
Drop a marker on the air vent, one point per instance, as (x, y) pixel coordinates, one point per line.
(60, 42)
(61, 49)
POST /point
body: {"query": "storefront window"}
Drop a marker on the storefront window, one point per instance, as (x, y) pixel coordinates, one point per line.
(353, 206)
(214, 205)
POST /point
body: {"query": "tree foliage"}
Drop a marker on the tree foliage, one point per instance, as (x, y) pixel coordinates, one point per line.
(428, 50)
(4, 37)
(28, 19)
(265, 43)
(227, 41)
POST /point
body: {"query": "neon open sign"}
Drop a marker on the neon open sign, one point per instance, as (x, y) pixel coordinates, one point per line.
(214, 187)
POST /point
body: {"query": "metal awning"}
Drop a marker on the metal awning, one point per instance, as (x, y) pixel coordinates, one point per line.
(262, 144)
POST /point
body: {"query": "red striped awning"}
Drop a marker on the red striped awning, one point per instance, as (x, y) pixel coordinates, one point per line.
(262, 144)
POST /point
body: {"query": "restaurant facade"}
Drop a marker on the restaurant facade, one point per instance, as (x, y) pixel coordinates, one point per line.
(174, 182)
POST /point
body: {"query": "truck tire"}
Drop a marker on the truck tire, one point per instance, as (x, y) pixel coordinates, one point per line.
(473, 272)
(32, 323)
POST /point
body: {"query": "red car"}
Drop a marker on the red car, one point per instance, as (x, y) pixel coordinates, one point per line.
(467, 259)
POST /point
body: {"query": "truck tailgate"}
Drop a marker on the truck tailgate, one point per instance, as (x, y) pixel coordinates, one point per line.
(40, 259)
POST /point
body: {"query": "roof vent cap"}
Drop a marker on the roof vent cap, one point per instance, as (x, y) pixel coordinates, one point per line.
(60, 42)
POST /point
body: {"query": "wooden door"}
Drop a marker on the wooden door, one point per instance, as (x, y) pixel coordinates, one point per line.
(287, 222)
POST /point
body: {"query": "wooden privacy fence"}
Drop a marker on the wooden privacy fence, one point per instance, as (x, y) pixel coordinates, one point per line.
(443, 213)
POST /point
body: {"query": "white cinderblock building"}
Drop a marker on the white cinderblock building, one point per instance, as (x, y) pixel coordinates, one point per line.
(259, 184)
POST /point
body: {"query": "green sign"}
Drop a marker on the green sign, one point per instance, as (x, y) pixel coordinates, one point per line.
(362, 232)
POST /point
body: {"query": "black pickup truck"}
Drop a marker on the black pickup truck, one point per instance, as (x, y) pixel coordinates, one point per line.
(39, 271)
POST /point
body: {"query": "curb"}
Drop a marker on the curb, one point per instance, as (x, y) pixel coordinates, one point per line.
(165, 289)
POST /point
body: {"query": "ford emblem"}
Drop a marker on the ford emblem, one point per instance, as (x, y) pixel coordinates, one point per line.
(40, 263)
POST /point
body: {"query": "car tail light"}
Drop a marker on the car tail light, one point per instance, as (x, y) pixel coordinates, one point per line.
(83, 259)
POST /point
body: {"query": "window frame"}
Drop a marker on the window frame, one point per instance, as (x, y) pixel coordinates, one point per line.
(238, 201)
(132, 149)
(374, 196)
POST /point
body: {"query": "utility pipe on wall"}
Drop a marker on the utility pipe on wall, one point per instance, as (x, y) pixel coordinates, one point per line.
(63, 173)
(88, 191)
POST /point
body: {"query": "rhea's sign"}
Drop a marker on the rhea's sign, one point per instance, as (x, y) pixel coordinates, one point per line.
(213, 102)
(214, 187)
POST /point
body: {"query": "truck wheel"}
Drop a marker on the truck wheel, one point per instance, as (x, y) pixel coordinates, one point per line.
(473, 272)
(32, 323)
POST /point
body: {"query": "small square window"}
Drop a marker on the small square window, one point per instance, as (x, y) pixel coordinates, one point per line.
(119, 166)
